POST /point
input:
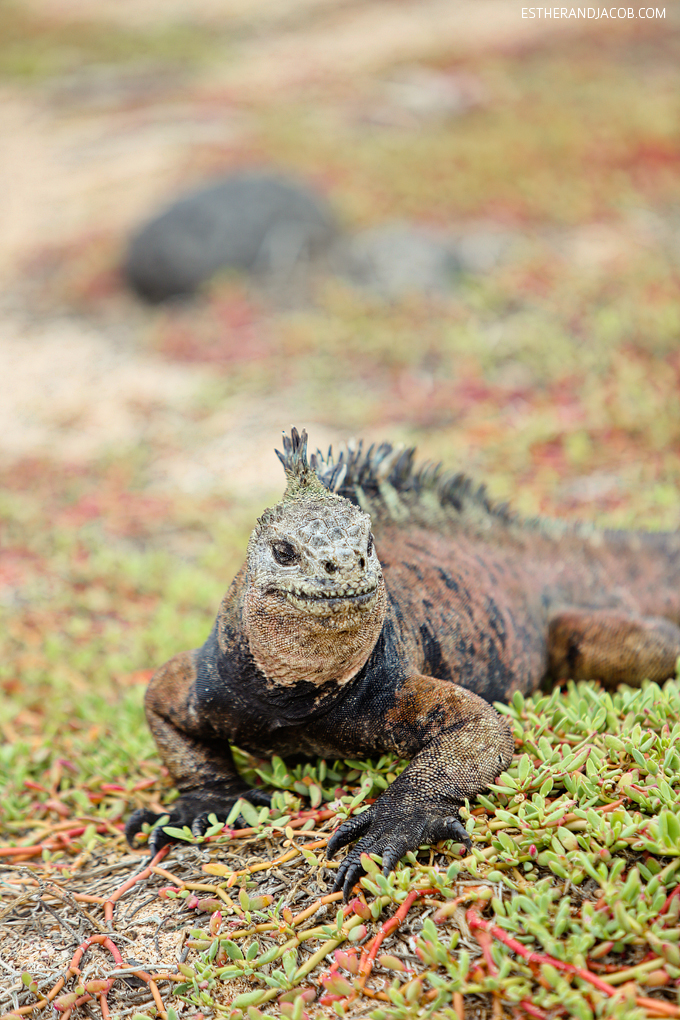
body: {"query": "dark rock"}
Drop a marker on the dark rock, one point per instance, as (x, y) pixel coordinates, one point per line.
(252, 222)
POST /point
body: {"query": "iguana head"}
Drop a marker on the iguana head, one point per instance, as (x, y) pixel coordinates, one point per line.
(315, 598)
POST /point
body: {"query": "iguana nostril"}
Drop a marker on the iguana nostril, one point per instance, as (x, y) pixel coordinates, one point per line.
(362, 562)
(330, 566)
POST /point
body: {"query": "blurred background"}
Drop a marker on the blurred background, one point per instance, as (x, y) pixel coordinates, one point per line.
(501, 288)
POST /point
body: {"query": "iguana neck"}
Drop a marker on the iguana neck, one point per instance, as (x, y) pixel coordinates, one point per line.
(289, 647)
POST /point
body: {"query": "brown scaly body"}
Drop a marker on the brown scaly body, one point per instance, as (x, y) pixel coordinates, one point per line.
(332, 642)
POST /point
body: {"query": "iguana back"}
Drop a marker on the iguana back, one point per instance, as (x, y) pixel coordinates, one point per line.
(492, 601)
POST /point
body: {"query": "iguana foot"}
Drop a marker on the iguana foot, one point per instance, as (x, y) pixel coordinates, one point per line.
(390, 830)
(193, 809)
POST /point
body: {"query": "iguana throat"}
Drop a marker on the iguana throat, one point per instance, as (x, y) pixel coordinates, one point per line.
(292, 645)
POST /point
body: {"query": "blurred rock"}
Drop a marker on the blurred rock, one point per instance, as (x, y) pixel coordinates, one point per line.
(254, 222)
(398, 258)
(480, 249)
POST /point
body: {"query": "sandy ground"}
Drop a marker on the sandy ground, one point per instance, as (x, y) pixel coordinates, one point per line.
(96, 154)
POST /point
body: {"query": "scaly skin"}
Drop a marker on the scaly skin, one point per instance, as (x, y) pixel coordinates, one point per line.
(332, 642)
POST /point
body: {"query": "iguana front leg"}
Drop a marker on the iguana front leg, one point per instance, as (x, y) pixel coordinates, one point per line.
(202, 767)
(461, 745)
(612, 646)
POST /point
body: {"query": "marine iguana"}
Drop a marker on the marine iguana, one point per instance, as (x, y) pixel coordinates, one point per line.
(382, 607)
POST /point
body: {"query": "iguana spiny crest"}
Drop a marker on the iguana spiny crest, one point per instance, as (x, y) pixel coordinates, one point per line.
(315, 598)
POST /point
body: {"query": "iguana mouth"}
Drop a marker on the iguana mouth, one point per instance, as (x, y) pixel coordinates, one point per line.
(336, 599)
(337, 593)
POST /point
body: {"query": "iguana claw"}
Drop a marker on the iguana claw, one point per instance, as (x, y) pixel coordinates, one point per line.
(192, 809)
(391, 833)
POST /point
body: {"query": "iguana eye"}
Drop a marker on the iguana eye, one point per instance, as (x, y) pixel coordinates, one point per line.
(369, 547)
(285, 553)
